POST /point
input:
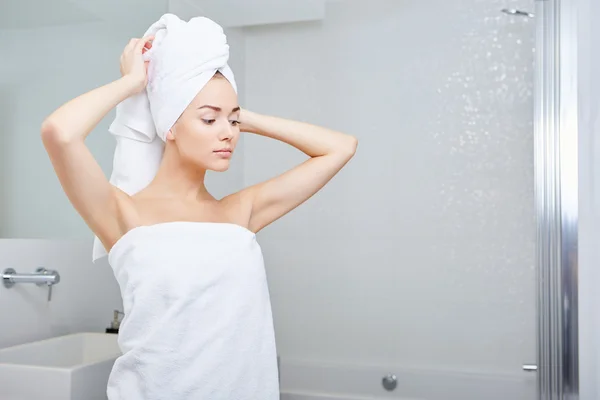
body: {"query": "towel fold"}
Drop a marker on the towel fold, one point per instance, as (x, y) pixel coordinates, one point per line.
(183, 58)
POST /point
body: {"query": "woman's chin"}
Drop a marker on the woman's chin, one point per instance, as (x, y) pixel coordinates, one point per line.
(221, 166)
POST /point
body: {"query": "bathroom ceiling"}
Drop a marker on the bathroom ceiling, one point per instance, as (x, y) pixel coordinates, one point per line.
(28, 14)
(138, 14)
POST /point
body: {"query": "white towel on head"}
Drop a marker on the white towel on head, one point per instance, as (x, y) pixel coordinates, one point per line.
(183, 58)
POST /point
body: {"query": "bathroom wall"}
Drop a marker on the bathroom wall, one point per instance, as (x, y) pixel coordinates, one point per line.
(6, 125)
(419, 255)
(83, 300)
(588, 61)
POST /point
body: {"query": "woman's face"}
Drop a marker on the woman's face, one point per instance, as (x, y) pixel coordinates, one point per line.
(207, 131)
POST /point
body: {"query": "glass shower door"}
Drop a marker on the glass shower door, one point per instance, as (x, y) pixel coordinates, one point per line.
(413, 274)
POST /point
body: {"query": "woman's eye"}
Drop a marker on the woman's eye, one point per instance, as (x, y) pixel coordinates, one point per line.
(208, 121)
(235, 123)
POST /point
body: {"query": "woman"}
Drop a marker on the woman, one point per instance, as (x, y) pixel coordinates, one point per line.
(197, 319)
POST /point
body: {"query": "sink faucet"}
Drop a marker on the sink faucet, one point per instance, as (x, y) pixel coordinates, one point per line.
(42, 276)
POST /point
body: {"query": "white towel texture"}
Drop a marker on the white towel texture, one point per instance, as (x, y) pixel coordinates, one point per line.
(198, 322)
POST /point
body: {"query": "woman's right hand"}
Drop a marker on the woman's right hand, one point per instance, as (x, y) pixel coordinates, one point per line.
(133, 65)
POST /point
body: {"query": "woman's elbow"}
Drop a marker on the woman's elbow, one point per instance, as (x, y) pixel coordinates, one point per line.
(52, 134)
(350, 146)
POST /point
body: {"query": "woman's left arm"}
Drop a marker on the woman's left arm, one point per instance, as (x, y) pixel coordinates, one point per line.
(329, 151)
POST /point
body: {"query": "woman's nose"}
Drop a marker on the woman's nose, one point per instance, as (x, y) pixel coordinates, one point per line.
(227, 132)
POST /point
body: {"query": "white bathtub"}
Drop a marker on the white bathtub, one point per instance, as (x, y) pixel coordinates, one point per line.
(70, 367)
(76, 367)
(314, 381)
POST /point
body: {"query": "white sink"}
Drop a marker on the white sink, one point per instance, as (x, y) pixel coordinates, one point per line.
(70, 367)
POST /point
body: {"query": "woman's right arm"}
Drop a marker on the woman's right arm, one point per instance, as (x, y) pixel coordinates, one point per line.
(64, 132)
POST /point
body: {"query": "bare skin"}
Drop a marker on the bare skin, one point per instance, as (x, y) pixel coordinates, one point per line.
(194, 145)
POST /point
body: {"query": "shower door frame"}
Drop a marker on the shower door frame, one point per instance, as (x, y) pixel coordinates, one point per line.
(556, 197)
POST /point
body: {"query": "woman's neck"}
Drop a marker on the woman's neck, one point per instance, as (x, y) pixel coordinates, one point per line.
(178, 179)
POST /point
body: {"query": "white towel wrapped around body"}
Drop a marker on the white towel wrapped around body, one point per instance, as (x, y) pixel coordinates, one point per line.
(198, 322)
(183, 58)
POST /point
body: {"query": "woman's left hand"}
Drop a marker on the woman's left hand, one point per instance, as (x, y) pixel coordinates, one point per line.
(244, 119)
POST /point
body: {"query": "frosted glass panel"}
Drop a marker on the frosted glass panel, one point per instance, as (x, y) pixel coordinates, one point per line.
(419, 257)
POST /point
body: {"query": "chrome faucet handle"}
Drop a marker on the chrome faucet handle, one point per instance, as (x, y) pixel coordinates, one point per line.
(55, 279)
(7, 277)
(49, 292)
(42, 276)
